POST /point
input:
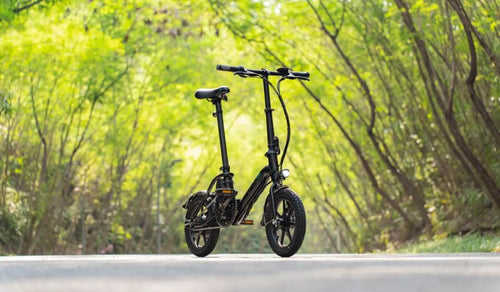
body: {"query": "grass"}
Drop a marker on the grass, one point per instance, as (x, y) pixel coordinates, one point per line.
(468, 243)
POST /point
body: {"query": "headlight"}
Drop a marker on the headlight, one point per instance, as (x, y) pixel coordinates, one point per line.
(285, 173)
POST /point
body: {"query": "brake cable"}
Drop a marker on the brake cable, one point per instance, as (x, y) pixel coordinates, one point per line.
(288, 132)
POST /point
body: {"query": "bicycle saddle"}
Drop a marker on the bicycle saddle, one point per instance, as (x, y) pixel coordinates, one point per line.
(211, 93)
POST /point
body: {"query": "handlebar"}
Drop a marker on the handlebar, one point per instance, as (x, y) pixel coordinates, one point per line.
(230, 68)
(284, 72)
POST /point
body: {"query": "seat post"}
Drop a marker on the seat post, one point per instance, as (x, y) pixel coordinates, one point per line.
(228, 181)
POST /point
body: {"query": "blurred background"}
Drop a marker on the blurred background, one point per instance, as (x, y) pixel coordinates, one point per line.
(395, 139)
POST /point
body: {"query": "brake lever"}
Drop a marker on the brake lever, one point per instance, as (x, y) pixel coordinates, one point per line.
(241, 74)
(246, 74)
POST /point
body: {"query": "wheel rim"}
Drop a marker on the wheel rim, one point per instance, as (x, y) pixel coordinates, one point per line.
(200, 238)
(284, 223)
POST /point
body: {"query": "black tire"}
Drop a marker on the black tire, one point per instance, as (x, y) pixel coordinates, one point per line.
(286, 232)
(200, 243)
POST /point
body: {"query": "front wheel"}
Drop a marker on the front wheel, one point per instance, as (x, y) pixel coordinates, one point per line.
(287, 228)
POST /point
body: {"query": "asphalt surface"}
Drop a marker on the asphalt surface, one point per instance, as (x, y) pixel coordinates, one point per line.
(248, 272)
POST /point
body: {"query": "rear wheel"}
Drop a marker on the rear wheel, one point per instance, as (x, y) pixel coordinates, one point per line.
(200, 242)
(287, 228)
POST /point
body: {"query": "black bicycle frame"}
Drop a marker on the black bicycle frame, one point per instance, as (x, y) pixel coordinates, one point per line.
(266, 175)
(270, 173)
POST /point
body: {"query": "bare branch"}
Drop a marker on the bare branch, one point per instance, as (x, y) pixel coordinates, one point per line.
(19, 9)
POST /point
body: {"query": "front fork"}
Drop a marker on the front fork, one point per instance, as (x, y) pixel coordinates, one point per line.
(269, 212)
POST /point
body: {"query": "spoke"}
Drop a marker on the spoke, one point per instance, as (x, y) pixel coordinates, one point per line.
(204, 238)
(289, 235)
(197, 240)
(277, 212)
(286, 209)
(282, 238)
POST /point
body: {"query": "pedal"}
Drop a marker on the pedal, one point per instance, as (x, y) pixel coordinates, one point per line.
(246, 222)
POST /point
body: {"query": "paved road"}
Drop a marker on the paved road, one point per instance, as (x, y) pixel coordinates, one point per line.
(235, 272)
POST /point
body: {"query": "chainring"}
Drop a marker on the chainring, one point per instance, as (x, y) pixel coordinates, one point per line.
(225, 209)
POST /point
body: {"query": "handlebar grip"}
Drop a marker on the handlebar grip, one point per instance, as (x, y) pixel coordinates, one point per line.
(300, 74)
(230, 68)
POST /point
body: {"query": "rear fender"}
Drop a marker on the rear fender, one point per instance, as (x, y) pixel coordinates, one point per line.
(193, 197)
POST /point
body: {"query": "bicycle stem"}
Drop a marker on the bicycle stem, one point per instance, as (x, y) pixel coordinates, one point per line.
(272, 140)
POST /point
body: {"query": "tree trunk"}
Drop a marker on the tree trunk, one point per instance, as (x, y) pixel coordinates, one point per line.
(489, 183)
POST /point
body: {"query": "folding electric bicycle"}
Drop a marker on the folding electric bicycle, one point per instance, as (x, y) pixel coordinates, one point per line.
(208, 211)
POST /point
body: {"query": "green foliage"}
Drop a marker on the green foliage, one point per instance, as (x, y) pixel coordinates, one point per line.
(5, 107)
(6, 10)
(372, 119)
(11, 231)
(468, 243)
(96, 105)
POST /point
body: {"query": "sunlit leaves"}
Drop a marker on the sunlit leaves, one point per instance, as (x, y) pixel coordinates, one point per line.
(111, 84)
(7, 10)
(101, 86)
(5, 107)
